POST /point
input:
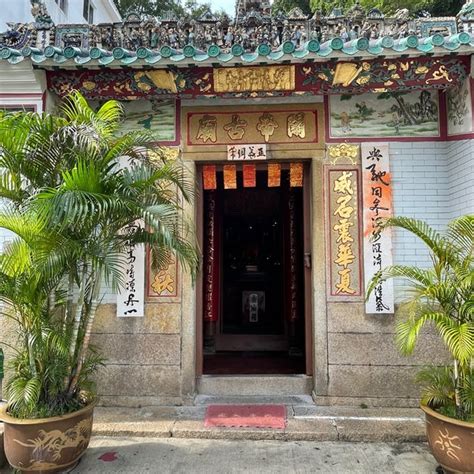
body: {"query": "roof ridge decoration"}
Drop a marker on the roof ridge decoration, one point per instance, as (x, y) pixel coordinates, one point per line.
(256, 35)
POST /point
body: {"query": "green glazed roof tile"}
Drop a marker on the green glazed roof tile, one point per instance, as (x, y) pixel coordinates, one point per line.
(82, 60)
(237, 49)
(264, 49)
(105, 61)
(129, 60)
(225, 57)
(200, 57)
(313, 46)
(276, 55)
(153, 59)
(425, 47)
(300, 53)
(249, 57)
(452, 44)
(335, 48)
(351, 50)
(15, 59)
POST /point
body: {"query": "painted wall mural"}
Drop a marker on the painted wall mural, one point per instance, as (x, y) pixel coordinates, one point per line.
(387, 114)
(460, 109)
(157, 117)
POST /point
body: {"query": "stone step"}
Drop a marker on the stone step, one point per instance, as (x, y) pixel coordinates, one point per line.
(305, 423)
(289, 400)
(244, 385)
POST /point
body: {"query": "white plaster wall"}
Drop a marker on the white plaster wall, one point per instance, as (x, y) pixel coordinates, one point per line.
(420, 190)
(460, 158)
(19, 11)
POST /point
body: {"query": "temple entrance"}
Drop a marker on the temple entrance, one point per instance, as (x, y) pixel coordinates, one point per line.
(254, 309)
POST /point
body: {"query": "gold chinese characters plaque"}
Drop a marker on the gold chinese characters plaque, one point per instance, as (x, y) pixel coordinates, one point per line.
(344, 238)
(254, 79)
(232, 128)
(163, 283)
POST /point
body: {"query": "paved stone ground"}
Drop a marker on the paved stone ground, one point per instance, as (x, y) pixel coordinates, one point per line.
(316, 439)
(161, 455)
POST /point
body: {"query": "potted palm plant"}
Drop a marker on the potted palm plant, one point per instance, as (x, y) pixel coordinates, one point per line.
(67, 198)
(442, 296)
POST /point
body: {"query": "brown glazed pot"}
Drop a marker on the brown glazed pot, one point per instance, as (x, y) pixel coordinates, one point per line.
(47, 445)
(451, 441)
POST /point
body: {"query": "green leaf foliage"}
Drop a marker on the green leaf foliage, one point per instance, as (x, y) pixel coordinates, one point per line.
(442, 296)
(70, 188)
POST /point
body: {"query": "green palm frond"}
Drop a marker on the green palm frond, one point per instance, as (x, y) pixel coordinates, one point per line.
(417, 276)
(443, 295)
(77, 110)
(462, 228)
(71, 193)
(437, 384)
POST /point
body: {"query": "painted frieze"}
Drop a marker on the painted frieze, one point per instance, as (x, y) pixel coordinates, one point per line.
(275, 126)
(387, 114)
(460, 105)
(343, 229)
(383, 75)
(318, 78)
(377, 199)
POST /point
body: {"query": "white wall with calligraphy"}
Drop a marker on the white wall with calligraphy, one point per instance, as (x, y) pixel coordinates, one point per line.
(377, 198)
(131, 298)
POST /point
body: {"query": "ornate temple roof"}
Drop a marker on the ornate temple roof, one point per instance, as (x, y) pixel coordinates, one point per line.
(254, 36)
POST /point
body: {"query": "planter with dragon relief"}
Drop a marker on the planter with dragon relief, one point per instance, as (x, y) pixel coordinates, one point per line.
(47, 445)
(451, 441)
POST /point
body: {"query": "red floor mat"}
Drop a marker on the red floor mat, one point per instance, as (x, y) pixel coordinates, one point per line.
(246, 416)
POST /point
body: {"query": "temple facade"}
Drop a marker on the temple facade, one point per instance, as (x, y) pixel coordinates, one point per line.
(300, 134)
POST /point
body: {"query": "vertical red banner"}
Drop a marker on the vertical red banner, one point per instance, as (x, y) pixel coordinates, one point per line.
(209, 177)
(274, 175)
(250, 175)
(296, 175)
(230, 177)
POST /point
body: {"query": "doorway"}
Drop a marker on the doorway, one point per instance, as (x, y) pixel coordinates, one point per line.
(254, 280)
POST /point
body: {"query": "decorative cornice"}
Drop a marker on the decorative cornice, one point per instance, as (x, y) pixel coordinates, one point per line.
(254, 36)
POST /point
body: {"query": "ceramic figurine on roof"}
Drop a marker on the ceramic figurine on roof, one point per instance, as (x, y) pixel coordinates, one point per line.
(42, 19)
(255, 31)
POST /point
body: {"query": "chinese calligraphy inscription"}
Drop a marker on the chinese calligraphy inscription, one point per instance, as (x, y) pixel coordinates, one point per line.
(130, 298)
(344, 233)
(377, 195)
(245, 127)
(207, 129)
(246, 152)
(163, 283)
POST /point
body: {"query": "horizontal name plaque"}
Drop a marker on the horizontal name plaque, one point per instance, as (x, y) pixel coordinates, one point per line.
(246, 152)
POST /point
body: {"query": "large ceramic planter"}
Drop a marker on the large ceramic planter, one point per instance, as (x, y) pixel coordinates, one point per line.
(47, 445)
(451, 441)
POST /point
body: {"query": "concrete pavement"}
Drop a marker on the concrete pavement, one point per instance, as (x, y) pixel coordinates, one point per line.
(169, 455)
(316, 439)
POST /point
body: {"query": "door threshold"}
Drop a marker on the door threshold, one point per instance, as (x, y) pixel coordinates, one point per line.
(254, 385)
